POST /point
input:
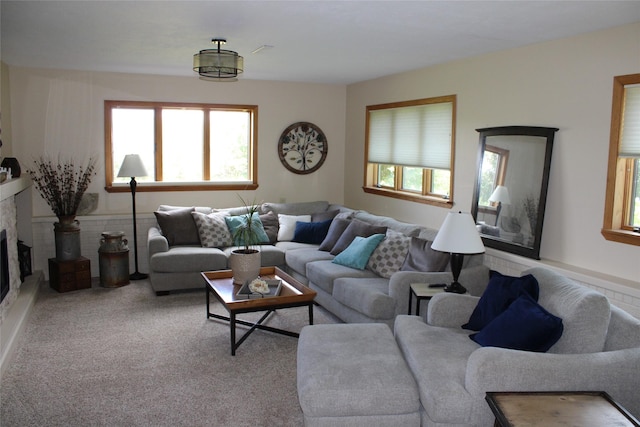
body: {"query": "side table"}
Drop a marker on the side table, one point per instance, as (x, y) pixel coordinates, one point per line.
(422, 291)
(568, 408)
(65, 276)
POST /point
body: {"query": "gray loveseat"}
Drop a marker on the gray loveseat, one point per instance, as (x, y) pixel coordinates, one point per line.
(440, 376)
(377, 293)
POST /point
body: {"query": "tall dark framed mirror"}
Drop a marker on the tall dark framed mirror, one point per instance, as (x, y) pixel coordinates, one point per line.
(511, 187)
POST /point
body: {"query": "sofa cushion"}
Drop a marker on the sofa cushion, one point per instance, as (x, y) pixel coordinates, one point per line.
(186, 259)
(585, 313)
(367, 296)
(357, 254)
(405, 228)
(422, 258)
(178, 226)
(524, 325)
(390, 254)
(501, 291)
(356, 228)
(271, 225)
(311, 232)
(437, 358)
(287, 225)
(297, 259)
(324, 215)
(354, 375)
(323, 274)
(300, 208)
(236, 222)
(337, 227)
(212, 229)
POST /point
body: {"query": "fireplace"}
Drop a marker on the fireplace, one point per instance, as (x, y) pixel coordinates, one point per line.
(4, 265)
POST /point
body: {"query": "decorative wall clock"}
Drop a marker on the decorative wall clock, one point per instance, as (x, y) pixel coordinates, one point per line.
(302, 148)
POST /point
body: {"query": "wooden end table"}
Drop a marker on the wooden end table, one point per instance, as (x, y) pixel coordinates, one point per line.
(549, 409)
(293, 294)
(422, 291)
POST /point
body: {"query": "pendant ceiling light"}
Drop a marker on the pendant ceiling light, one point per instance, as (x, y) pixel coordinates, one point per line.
(218, 64)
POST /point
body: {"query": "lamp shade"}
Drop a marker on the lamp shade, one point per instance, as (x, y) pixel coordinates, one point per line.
(500, 194)
(458, 235)
(132, 166)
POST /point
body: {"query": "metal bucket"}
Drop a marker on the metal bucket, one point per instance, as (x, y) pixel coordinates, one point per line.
(114, 259)
(67, 238)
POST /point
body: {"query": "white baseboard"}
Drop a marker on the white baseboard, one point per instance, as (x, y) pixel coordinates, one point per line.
(16, 318)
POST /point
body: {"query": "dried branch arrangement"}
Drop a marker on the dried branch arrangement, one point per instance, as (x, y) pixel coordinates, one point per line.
(62, 184)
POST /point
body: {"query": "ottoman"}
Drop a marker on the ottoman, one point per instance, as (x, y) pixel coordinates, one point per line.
(354, 375)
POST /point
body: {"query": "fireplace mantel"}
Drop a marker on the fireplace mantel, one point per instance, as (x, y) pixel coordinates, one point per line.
(11, 187)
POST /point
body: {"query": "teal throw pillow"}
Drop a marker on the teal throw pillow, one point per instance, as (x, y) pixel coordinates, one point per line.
(357, 254)
(237, 221)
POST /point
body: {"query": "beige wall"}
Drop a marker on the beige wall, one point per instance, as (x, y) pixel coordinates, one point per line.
(62, 112)
(565, 84)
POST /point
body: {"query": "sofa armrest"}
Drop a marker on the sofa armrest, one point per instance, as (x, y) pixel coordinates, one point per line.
(450, 310)
(499, 369)
(400, 285)
(156, 242)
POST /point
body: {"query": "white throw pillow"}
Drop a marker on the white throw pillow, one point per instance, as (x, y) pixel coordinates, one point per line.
(288, 225)
(212, 229)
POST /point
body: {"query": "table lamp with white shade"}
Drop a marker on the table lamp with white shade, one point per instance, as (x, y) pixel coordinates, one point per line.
(500, 195)
(132, 167)
(458, 236)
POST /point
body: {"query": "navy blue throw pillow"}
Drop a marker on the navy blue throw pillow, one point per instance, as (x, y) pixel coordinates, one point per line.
(311, 232)
(525, 325)
(500, 293)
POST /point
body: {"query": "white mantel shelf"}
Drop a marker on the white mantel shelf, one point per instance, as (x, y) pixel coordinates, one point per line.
(11, 187)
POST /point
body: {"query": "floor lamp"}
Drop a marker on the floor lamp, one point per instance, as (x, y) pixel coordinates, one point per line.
(458, 236)
(132, 166)
(500, 195)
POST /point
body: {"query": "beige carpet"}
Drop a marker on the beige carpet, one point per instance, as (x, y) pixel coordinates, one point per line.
(124, 357)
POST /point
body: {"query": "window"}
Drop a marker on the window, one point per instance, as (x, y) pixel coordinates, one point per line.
(494, 169)
(622, 203)
(183, 146)
(410, 150)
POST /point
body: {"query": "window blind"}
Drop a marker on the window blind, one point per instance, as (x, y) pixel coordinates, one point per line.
(414, 136)
(630, 128)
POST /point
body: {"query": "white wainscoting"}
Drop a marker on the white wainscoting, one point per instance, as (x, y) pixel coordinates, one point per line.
(622, 293)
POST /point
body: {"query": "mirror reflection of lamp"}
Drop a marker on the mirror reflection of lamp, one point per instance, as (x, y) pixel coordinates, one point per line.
(458, 236)
(500, 195)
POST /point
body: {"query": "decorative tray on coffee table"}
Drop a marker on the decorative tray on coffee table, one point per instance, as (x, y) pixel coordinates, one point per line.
(275, 285)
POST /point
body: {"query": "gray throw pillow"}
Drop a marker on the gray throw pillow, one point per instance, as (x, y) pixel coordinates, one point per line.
(271, 225)
(178, 226)
(337, 227)
(422, 258)
(356, 228)
(213, 230)
(390, 254)
(324, 216)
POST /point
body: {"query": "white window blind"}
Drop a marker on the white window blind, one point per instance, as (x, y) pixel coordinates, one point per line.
(414, 136)
(630, 128)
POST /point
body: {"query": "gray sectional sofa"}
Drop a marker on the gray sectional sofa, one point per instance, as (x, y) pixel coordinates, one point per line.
(377, 293)
(433, 374)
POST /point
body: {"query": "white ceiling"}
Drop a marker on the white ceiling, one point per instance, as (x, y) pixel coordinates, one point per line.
(313, 41)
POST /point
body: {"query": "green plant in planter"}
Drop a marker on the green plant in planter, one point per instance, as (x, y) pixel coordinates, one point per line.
(250, 232)
(247, 232)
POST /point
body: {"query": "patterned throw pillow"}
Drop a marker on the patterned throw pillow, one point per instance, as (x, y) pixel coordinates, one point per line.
(212, 229)
(390, 254)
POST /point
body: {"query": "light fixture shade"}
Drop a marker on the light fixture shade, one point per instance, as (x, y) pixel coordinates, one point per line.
(500, 194)
(218, 64)
(132, 166)
(458, 235)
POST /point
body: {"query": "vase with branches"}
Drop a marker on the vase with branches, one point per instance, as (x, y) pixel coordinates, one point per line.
(530, 205)
(62, 185)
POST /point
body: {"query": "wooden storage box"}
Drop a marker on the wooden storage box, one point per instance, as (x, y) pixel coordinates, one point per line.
(65, 276)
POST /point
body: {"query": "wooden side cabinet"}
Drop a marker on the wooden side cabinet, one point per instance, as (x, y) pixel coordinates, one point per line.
(65, 276)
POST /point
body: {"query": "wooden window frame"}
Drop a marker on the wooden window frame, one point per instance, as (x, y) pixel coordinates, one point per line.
(619, 174)
(425, 196)
(158, 184)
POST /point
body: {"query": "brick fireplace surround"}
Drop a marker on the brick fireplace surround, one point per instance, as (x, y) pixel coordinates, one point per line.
(17, 304)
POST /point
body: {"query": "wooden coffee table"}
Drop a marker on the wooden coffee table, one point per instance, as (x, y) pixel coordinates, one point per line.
(293, 294)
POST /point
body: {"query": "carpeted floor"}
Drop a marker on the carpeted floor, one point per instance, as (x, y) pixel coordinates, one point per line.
(124, 357)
